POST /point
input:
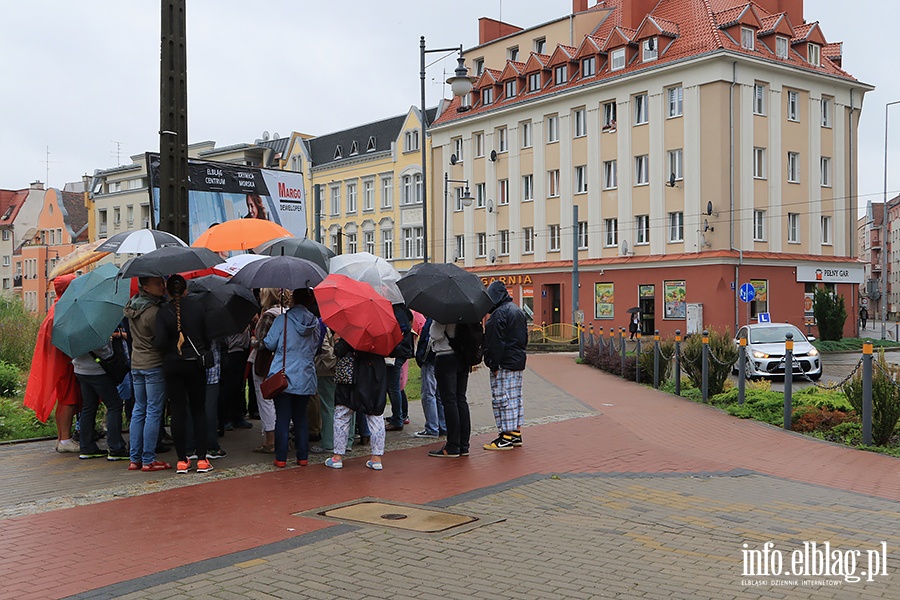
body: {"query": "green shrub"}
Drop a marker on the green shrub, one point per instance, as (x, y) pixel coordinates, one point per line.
(666, 348)
(18, 333)
(10, 379)
(849, 433)
(761, 406)
(721, 349)
(885, 398)
(830, 314)
(19, 423)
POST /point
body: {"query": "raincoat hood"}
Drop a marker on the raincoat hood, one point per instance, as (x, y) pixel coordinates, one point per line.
(139, 303)
(61, 283)
(498, 294)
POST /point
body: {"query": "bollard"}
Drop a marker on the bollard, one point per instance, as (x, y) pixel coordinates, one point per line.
(612, 334)
(867, 395)
(704, 367)
(637, 362)
(543, 332)
(742, 369)
(622, 348)
(580, 331)
(788, 377)
(677, 362)
(592, 333)
(600, 338)
(656, 359)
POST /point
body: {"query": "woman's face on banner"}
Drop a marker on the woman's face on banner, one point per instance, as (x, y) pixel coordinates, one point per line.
(252, 209)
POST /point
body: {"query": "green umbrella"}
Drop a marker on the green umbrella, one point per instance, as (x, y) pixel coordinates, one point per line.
(89, 311)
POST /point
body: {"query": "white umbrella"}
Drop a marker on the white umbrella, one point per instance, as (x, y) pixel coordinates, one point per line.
(235, 263)
(141, 241)
(374, 270)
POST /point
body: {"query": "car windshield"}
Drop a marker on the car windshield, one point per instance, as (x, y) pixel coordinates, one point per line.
(771, 335)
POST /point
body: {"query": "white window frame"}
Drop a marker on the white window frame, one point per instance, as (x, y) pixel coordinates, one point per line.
(649, 49)
(368, 195)
(512, 53)
(554, 244)
(609, 115)
(460, 247)
(534, 82)
(351, 198)
(560, 74)
(826, 230)
(335, 200)
(781, 47)
(411, 140)
(814, 54)
(553, 183)
(675, 159)
(504, 242)
(528, 240)
(387, 191)
(582, 233)
(759, 163)
(610, 175)
(478, 142)
(458, 149)
(759, 99)
(748, 38)
(481, 245)
(387, 244)
(642, 169)
(527, 188)
(479, 195)
(580, 118)
(525, 128)
(502, 140)
(676, 227)
(588, 66)
(617, 59)
(759, 225)
(793, 167)
(510, 88)
(552, 129)
(827, 107)
(502, 192)
(369, 241)
(413, 244)
(793, 106)
(825, 171)
(611, 233)
(352, 246)
(641, 109)
(487, 96)
(675, 97)
(581, 179)
(540, 45)
(642, 225)
(793, 228)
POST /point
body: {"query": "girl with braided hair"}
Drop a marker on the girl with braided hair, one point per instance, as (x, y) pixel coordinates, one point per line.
(181, 335)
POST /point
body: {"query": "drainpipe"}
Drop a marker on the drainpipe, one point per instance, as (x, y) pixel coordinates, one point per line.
(851, 222)
(737, 268)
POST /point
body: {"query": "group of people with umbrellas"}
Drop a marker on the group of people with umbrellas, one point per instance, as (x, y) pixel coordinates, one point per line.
(353, 308)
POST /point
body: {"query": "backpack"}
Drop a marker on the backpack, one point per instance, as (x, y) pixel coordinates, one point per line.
(117, 365)
(406, 348)
(423, 355)
(468, 343)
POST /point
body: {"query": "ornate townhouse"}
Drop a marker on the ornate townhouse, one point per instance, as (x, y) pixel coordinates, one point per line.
(706, 144)
(19, 210)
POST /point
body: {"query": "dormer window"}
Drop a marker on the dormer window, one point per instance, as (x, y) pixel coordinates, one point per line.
(560, 74)
(649, 49)
(748, 38)
(370, 146)
(814, 54)
(487, 96)
(540, 45)
(354, 148)
(534, 82)
(617, 59)
(338, 152)
(588, 67)
(781, 47)
(511, 88)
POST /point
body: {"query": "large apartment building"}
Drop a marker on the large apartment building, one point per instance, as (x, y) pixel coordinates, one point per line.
(706, 144)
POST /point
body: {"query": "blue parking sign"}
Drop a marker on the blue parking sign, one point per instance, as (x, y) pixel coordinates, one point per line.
(747, 293)
(763, 318)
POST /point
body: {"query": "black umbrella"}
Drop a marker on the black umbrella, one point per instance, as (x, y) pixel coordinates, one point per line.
(287, 272)
(445, 292)
(633, 309)
(299, 247)
(229, 308)
(169, 260)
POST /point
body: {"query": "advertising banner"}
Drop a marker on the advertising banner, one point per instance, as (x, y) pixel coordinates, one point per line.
(674, 294)
(219, 192)
(604, 301)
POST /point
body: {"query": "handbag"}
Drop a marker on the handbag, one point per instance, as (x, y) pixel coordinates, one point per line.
(206, 358)
(278, 382)
(116, 365)
(343, 371)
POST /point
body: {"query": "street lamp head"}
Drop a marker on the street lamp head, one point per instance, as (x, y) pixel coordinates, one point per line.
(466, 198)
(461, 84)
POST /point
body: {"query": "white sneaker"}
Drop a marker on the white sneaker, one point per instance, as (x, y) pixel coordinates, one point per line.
(69, 445)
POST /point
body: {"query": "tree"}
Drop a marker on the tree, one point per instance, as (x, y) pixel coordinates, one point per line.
(828, 308)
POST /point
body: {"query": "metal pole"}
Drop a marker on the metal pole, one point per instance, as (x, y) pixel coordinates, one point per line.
(446, 183)
(637, 362)
(704, 366)
(788, 377)
(656, 359)
(424, 119)
(318, 200)
(677, 362)
(600, 338)
(867, 395)
(575, 282)
(622, 347)
(884, 236)
(742, 370)
(173, 130)
(612, 335)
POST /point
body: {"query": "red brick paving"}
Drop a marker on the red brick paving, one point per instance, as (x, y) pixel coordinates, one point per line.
(643, 431)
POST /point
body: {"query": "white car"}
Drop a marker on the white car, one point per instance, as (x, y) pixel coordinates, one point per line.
(765, 350)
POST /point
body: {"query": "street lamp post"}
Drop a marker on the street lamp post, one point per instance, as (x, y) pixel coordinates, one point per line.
(466, 201)
(460, 85)
(884, 231)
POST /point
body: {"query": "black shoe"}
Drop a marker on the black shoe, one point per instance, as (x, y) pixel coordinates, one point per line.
(221, 432)
(443, 453)
(162, 449)
(122, 454)
(243, 424)
(392, 427)
(516, 437)
(216, 453)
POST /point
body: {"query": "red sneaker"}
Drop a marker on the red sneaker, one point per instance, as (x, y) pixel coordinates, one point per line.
(280, 463)
(158, 465)
(302, 463)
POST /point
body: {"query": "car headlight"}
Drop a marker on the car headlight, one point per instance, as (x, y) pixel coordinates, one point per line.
(812, 352)
(758, 354)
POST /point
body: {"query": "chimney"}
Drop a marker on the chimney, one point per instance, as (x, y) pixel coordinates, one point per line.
(634, 11)
(793, 8)
(579, 6)
(37, 185)
(492, 29)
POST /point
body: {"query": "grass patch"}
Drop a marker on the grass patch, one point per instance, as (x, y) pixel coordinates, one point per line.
(19, 423)
(414, 381)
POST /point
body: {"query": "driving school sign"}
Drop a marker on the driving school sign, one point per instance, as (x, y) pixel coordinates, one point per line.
(830, 273)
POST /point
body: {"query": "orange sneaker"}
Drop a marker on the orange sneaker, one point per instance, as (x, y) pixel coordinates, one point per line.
(183, 466)
(204, 466)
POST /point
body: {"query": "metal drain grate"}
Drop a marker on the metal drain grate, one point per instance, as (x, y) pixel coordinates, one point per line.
(410, 518)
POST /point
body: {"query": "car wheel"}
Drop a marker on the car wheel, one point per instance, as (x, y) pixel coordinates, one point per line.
(816, 377)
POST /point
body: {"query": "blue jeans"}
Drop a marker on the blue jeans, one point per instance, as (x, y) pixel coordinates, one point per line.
(291, 407)
(149, 399)
(95, 388)
(393, 374)
(431, 405)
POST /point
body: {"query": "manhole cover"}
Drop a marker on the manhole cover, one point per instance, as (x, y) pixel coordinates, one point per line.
(423, 520)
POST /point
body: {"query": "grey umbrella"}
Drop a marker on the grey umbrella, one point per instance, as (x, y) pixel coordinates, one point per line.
(299, 247)
(287, 272)
(229, 308)
(169, 260)
(445, 292)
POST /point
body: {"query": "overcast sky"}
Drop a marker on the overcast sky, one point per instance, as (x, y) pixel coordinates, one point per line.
(82, 77)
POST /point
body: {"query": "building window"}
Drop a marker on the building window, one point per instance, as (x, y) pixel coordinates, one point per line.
(534, 82)
(553, 183)
(420, 189)
(528, 188)
(504, 242)
(368, 195)
(641, 170)
(581, 179)
(759, 163)
(512, 53)
(759, 99)
(459, 196)
(580, 123)
(676, 164)
(6, 235)
(794, 228)
(487, 96)
(460, 247)
(554, 238)
(7, 260)
(748, 38)
(351, 198)
(641, 110)
(676, 227)
(675, 103)
(528, 240)
(609, 115)
(351, 243)
(649, 51)
(826, 230)
(502, 191)
(552, 129)
(387, 244)
(611, 227)
(387, 192)
(609, 175)
(642, 223)
(407, 191)
(617, 62)
(781, 47)
(525, 129)
(129, 219)
(369, 241)
(582, 235)
(793, 167)
(481, 245)
(411, 141)
(479, 66)
(560, 74)
(511, 88)
(540, 45)
(826, 171)
(458, 149)
(502, 144)
(815, 53)
(478, 141)
(370, 145)
(793, 106)
(479, 195)
(412, 242)
(588, 67)
(759, 225)
(102, 222)
(336, 243)
(826, 112)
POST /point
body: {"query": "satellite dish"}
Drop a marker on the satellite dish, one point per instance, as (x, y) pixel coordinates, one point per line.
(706, 226)
(671, 179)
(490, 205)
(265, 135)
(455, 255)
(709, 208)
(275, 136)
(493, 255)
(493, 155)
(453, 159)
(624, 247)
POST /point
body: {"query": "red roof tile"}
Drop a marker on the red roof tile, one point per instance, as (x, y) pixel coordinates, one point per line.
(10, 203)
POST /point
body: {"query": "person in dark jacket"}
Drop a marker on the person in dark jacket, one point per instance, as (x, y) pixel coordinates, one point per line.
(505, 339)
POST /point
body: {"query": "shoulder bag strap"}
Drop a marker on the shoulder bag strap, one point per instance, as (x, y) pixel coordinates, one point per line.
(284, 351)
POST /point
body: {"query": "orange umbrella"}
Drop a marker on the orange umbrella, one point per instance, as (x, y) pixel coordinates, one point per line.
(240, 234)
(79, 258)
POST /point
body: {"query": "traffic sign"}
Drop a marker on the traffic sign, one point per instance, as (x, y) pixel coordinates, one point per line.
(747, 292)
(763, 318)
